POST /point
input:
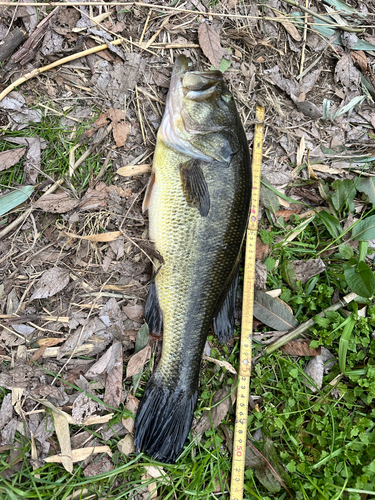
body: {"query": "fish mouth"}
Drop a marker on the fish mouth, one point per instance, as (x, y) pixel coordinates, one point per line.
(197, 86)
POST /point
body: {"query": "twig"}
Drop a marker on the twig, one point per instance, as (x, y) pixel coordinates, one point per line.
(304, 41)
(305, 326)
(140, 115)
(145, 26)
(153, 38)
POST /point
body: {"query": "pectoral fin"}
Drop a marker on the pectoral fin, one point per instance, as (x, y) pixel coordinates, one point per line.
(195, 186)
(224, 320)
(153, 312)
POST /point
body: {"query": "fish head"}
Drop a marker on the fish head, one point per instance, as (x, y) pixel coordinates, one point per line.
(201, 118)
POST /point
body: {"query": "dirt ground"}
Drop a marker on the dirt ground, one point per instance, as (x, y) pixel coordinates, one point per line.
(75, 260)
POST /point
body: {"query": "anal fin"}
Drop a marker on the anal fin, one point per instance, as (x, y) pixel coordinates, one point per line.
(224, 320)
(153, 312)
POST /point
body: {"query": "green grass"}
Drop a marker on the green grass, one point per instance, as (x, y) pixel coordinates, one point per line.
(55, 158)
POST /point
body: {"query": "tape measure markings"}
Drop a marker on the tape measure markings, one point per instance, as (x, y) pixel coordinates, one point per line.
(240, 430)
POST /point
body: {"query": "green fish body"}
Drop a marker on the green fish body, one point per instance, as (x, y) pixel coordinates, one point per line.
(198, 201)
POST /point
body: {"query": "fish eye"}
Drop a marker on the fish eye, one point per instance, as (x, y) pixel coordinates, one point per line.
(227, 97)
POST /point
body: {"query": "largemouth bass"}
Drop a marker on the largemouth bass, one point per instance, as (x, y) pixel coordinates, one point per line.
(198, 201)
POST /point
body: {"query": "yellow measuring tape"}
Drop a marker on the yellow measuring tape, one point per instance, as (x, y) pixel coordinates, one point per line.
(240, 430)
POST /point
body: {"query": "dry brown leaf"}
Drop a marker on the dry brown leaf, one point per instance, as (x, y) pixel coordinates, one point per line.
(306, 269)
(126, 445)
(347, 73)
(209, 42)
(102, 237)
(132, 404)
(136, 312)
(53, 281)
(137, 361)
(58, 203)
(300, 347)
(261, 249)
(104, 464)
(285, 214)
(130, 170)
(113, 394)
(317, 366)
(120, 128)
(161, 79)
(218, 413)
(223, 364)
(360, 59)
(95, 199)
(153, 472)
(10, 158)
(80, 454)
(289, 26)
(63, 436)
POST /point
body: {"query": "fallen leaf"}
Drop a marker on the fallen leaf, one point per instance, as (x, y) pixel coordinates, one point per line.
(63, 436)
(120, 128)
(53, 281)
(10, 158)
(267, 466)
(6, 411)
(137, 361)
(161, 79)
(360, 59)
(285, 214)
(272, 313)
(113, 394)
(289, 26)
(347, 73)
(126, 445)
(316, 368)
(260, 275)
(14, 198)
(130, 170)
(94, 199)
(80, 454)
(209, 42)
(132, 404)
(261, 249)
(136, 312)
(300, 347)
(59, 203)
(218, 412)
(223, 364)
(104, 464)
(306, 269)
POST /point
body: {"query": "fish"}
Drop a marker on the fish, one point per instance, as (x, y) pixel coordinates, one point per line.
(198, 200)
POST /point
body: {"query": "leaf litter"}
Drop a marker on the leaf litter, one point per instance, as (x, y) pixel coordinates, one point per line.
(95, 271)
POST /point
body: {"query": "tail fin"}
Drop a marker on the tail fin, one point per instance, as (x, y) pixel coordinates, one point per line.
(164, 420)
